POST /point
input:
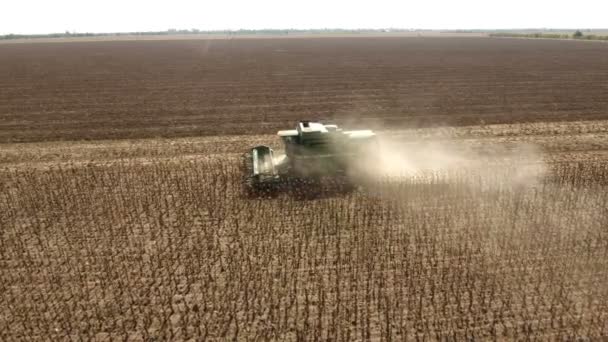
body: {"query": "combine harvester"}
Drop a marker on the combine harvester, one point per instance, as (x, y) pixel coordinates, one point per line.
(313, 151)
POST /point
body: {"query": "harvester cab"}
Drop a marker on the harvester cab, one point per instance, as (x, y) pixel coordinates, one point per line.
(311, 151)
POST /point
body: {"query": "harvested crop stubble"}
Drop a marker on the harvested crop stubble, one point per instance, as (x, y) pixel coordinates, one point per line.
(172, 250)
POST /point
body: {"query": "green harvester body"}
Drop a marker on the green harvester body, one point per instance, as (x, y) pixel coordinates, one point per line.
(312, 151)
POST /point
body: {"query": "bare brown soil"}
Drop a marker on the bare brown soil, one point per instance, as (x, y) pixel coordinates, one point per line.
(114, 89)
(133, 236)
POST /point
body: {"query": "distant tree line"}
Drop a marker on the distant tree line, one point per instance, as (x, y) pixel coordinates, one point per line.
(68, 34)
(493, 33)
(576, 35)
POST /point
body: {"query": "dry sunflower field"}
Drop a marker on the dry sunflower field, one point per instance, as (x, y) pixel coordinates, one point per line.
(122, 214)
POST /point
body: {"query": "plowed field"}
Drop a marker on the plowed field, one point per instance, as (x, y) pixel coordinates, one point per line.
(101, 90)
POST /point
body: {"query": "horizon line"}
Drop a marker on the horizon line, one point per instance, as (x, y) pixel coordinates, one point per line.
(270, 29)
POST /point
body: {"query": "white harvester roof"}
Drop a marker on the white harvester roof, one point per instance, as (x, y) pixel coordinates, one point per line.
(308, 130)
(305, 127)
(311, 127)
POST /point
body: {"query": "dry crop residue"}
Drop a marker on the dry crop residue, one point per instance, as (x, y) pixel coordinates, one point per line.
(154, 239)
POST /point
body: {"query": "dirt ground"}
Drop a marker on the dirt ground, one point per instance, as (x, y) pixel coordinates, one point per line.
(556, 142)
(122, 214)
(139, 89)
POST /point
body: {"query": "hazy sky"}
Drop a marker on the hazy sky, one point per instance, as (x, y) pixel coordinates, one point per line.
(45, 16)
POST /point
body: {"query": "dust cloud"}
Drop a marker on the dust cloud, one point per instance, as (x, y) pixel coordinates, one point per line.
(452, 160)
